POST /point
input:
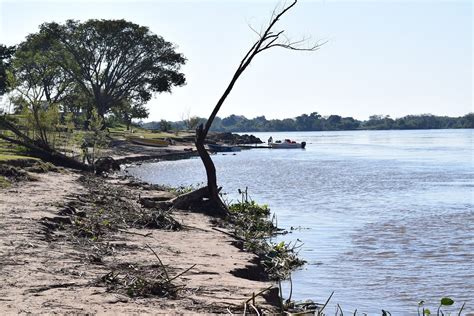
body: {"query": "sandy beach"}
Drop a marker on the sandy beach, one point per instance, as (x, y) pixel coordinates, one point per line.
(46, 268)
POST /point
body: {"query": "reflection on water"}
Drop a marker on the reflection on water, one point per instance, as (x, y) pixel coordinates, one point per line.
(387, 216)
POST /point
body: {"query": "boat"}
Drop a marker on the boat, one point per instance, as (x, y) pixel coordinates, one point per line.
(222, 148)
(287, 144)
(154, 142)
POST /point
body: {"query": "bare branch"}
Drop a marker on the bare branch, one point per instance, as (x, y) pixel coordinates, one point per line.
(267, 39)
(254, 30)
(295, 46)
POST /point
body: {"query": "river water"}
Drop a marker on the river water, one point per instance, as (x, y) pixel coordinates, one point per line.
(386, 217)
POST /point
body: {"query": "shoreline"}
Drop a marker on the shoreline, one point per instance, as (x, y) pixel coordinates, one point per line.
(33, 219)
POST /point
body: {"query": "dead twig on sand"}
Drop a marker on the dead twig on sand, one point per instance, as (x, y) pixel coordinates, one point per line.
(52, 286)
(161, 263)
(134, 233)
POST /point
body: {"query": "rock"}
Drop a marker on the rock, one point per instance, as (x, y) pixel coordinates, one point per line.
(234, 139)
(106, 164)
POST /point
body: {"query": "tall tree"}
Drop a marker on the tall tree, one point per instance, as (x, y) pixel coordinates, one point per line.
(114, 60)
(266, 39)
(39, 82)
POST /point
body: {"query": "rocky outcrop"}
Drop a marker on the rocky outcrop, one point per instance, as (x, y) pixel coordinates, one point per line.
(233, 139)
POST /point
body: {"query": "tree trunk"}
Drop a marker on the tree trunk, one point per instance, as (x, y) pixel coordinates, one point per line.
(51, 155)
(267, 39)
(41, 151)
(221, 208)
(88, 118)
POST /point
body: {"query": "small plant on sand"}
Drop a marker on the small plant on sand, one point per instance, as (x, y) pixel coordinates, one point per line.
(92, 226)
(143, 281)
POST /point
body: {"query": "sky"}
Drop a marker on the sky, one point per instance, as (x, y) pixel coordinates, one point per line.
(381, 57)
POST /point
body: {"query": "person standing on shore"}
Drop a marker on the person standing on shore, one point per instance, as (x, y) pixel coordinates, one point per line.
(85, 151)
(270, 140)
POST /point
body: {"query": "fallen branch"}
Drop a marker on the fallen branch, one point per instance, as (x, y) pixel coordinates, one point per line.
(133, 233)
(50, 287)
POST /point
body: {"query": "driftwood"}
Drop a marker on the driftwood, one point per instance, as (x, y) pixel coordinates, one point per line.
(161, 200)
(106, 164)
(166, 200)
(185, 201)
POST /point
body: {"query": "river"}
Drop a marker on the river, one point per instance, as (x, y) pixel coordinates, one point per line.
(386, 217)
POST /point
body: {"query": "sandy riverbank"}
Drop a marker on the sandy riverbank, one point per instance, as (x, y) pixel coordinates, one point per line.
(47, 267)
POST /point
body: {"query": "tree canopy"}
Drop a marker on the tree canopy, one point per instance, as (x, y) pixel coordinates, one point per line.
(315, 122)
(82, 73)
(111, 61)
(5, 55)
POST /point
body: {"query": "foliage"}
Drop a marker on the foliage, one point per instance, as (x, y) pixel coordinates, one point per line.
(253, 225)
(96, 138)
(38, 87)
(308, 307)
(5, 55)
(316, 122)
(445, 301)
(113, 60)
(9, 157)
(42, 121)
(126, 111)
(165, 126)
(110, 65)
(190, 122)
(34, 76)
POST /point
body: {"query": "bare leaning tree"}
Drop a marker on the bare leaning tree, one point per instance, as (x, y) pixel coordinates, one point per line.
(268, 38)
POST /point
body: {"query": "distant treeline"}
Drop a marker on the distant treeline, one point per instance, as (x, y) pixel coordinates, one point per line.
(316, 122)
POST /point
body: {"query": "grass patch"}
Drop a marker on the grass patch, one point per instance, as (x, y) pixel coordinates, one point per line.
(8, 157)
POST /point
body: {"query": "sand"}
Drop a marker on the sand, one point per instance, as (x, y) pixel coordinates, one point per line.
(43, 276)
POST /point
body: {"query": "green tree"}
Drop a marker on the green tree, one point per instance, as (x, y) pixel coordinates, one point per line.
(113, 60)
(80, 105)
(165, 126)
(5, 55)
(38, 87)
(467, 121)
(126, 112)
(192, 122)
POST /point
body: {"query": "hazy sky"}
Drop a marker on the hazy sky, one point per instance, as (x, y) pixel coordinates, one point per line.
(382, 57)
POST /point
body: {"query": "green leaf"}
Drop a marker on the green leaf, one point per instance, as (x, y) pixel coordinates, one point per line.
(446, 301)
(427, 311)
